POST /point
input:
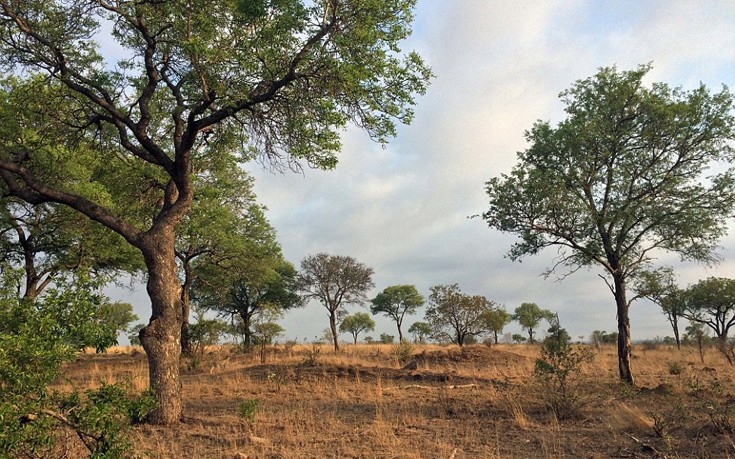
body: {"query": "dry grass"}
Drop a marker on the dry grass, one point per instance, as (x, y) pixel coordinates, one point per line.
(478, 402)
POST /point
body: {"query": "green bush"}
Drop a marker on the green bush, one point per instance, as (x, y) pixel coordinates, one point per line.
(555, 370)
(248, 408)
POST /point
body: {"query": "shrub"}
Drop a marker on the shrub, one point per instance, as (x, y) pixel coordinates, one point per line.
(559, 363)
(248, 408)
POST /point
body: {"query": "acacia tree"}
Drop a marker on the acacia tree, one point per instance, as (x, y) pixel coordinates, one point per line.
(620, 179)
(357, 323)
(198, 79)
(711, 302)
(335, 281)
(495, 321)
(455, 315)
(395, 302)
(660, 287)
(420, 331)
(530, 315)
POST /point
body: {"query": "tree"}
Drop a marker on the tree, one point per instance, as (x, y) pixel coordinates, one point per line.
(619, 180)
(696, 331)
(420, 331)
(385, 338)
(711, 302)
(335, 281)
(397, 301)
(600, 337)
(454, 315)
(529, 316)
(279, 80)
(660, 287)
(357, 323)
(117, 316)
(246, 287)
(495, 321)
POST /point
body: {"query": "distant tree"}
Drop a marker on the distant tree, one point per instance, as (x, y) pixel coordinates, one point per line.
(697, 332)
(529, 316)
(134, 334)
(357, 323)
(397, 301)
(518, 338)
(599, 337)
(335, 281)
(265, 333)
(495, 321)
(660, 287)
(711, 302)
(206, 332)
(619, 180)
(369, 339)
(385, 338)
(420, 331)
(454, 315)
(247, 288)
(117, 316)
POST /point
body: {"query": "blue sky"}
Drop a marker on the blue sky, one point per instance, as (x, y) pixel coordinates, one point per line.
(500, 65)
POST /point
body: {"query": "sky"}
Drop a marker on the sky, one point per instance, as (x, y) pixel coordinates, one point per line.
(403, 209)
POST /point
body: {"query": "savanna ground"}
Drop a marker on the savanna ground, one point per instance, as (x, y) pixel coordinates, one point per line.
(477, 402)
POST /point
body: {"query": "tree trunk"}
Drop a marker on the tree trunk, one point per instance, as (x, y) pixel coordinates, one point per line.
(186, 308)
(247, 335)
(495, 334)
(161, 338)
(624, 344)
(675, 326)
(333, 327)
(400, 335)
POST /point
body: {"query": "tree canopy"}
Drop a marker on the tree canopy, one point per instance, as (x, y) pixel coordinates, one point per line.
(336, 281)
(530, 315)
(357, 323)
(196, 80)
(395, 302)
(455, 315)
(627, 174)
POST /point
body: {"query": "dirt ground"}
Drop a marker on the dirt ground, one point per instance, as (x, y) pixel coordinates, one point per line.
(478, 402)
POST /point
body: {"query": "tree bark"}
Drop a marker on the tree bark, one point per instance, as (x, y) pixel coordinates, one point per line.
(161, 338)
(624, 344)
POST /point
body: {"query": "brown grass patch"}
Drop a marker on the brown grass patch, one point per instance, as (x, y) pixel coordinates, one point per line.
(477, 402)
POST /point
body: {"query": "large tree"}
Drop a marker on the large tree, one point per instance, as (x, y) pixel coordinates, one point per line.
(621, 179)
(395, 302)
(197, 79)
(455, 315)
(335, 281)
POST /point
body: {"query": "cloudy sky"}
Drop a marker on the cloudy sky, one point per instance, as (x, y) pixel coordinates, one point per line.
(403, 210)
(500, 66)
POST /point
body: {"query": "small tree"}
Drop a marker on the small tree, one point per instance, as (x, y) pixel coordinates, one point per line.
(518, 338)
(454, 315)
(559, 363)
(495, 321)
(117, 316)
(385, 338)
(335, 281)
(711, 302)
(529, 316)
(397, 301)
(660, 287)
(357, 323)
(420, 331)
(697, 332)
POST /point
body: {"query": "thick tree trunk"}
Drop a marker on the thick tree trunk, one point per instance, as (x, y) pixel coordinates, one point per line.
(675, 326)
(400, 335)
(333, 327)
(624, 344)
(495, 335)
(161, 338)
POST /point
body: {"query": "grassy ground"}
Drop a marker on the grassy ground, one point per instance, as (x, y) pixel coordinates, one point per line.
(479, 402)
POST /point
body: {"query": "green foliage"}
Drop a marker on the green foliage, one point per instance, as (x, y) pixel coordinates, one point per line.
(455, 316)
(397, 301)
(357, 323)
(518, 338)
(495, 321)
(622, 177)
(36, 338)
(559, 364)
(599, 337)
(248, 409)
(206, 332)
(403, 352)
(420, 331)
(530, 315)
(660, 287)
(385, 338)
